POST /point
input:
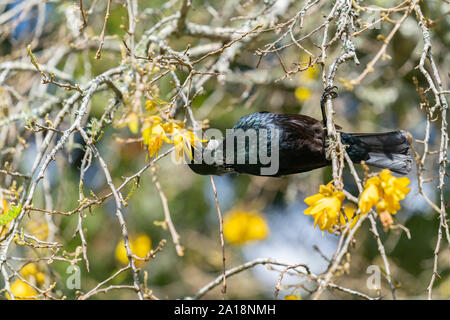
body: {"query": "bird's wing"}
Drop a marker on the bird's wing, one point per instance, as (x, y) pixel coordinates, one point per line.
(301, 132)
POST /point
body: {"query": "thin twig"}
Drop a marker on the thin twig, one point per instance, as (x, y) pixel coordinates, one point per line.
(222, 241)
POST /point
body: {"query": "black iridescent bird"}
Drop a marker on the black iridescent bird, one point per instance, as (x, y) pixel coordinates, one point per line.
(301, 146)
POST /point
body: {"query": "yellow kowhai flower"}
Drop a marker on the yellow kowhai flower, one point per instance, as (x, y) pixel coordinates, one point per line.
(31, 273)
(385, 192)
(302, 94)
(173, 125)
(325, 207)
(183, 140)
(240, 227)
(150, 120)
(311, 73)
(150, 105)
(350, 213)
(140, 246)
(22, 291)
(133, 122)
(371, 195)
(28, 270)
(394, 190)
(154, 136)
(154, 101)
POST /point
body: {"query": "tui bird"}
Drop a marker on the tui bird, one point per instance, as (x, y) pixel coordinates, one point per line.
(299, 146)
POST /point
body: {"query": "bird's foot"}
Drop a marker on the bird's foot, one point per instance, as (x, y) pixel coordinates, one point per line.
(329, 92)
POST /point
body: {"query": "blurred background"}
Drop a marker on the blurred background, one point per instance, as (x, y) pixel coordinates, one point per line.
(271, 209)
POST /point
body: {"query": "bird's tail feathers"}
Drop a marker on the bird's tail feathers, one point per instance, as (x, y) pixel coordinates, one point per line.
(387, 142)
(389, 150)
(399, 163)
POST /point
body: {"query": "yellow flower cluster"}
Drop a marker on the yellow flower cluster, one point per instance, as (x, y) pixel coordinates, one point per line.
(385, 192)
(159, 129)
(32, 273)
(133, 122)
(155, 133)
(140, 246)
(240, 227)
(325, 207)
(23, 290)
(183, 140)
